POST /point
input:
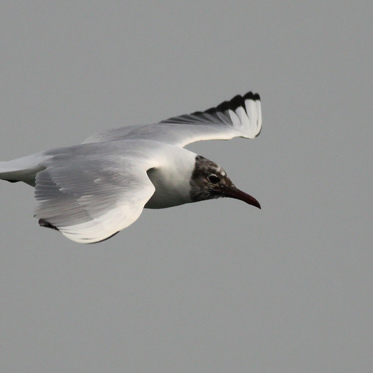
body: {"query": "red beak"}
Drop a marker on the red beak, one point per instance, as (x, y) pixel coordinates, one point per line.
(233, 192)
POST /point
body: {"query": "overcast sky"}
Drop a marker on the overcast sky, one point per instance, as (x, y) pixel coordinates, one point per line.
(215, 286)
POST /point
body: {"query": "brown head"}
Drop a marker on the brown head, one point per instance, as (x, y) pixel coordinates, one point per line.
(210, 181)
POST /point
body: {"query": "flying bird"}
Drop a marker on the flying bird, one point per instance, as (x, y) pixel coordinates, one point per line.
(91, 191)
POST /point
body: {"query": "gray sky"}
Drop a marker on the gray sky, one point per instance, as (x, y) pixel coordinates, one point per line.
(215, 286)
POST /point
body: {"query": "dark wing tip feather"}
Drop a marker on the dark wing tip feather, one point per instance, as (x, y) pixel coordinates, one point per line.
(46, 224)
(251, 96)
(233, 104)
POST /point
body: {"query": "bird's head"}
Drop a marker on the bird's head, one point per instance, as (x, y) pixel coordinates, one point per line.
(210, 181)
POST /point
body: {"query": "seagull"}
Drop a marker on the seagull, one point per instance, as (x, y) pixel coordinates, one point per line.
(91, 191)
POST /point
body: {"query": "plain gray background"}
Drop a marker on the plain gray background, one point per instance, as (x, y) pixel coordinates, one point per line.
(215, 286)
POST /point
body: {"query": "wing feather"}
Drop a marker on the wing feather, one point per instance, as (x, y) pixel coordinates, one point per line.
(91, 192)
(239, 117)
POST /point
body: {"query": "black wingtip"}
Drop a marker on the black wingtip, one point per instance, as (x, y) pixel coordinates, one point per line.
(237, 101)
(251, 96)
(46, 224)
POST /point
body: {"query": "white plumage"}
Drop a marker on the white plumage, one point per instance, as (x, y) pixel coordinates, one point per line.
(93, 190)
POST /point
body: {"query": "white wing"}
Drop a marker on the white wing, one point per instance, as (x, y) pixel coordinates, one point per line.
(91, 192)
(239, 117)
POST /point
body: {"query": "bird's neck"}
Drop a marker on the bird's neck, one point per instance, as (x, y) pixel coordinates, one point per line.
(172, 180)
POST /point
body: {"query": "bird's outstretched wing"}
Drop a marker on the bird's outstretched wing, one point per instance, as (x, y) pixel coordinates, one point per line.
(239, 117)
(90, 192)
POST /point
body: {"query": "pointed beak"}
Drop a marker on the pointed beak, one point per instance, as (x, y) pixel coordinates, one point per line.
(233, 192)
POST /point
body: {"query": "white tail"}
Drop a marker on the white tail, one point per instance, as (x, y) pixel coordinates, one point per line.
(22, 169)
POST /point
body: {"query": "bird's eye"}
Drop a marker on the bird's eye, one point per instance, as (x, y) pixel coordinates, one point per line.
(213, 179)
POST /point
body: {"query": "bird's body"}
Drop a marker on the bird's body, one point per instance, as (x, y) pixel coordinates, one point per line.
(91, 191)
